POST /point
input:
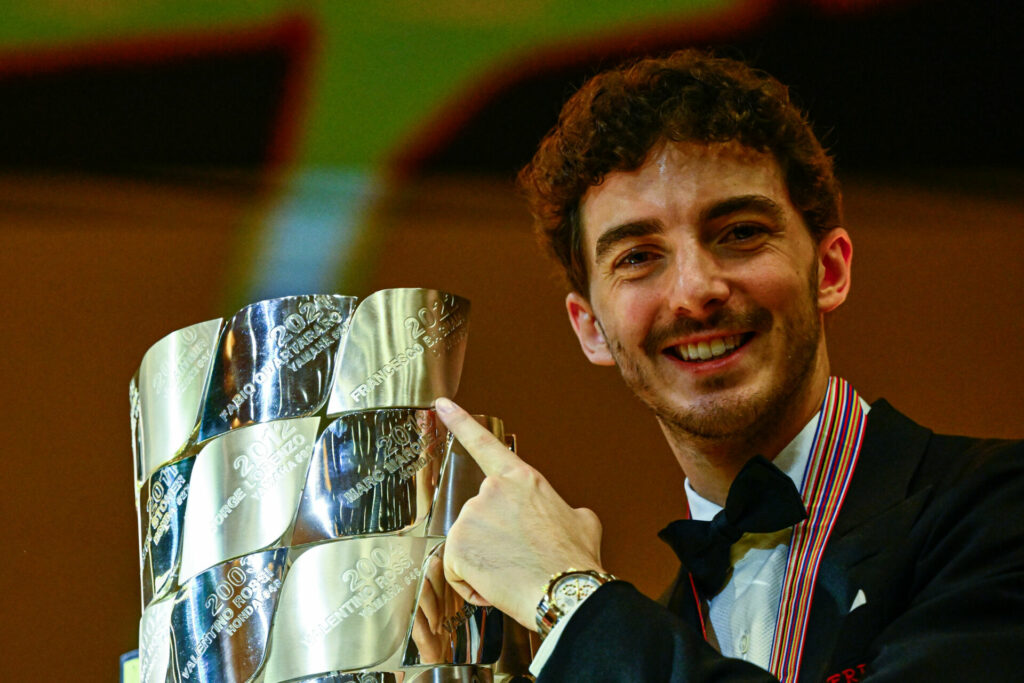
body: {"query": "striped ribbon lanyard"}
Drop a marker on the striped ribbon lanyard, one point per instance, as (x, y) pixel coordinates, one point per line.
(837, 442)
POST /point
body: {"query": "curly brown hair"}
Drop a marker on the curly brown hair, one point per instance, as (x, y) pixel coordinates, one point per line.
(615, 119)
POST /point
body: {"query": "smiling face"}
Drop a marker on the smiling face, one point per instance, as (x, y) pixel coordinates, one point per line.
(708, 292)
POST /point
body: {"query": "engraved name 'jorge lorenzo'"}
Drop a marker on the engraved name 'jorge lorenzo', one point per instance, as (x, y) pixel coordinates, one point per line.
(263, 464)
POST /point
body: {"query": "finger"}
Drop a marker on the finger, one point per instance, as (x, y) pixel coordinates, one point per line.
(465, 591)
(425, 639)
(468, 594)
(429, 607)
(489, 453)
(435, 574)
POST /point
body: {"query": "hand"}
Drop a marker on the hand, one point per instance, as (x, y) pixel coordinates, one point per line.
(511, 537)
(436, 603)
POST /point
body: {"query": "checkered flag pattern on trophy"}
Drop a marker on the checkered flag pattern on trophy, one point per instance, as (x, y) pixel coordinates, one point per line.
(294, 488)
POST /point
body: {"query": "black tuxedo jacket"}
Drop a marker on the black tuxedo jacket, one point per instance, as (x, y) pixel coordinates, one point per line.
(932, 532)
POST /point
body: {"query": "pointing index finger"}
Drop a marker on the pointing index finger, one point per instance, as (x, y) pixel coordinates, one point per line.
(487, 450)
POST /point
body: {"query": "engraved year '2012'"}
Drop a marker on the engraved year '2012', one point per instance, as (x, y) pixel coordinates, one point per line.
(263, 464)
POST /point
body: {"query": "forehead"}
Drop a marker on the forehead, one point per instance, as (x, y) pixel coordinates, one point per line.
(677, 182)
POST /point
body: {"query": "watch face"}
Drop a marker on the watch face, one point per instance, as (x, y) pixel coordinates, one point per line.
(570, 590)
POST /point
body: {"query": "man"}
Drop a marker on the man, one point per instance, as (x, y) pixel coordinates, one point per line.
(699, 223)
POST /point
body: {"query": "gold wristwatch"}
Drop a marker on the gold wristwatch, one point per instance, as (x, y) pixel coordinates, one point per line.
(564, 594)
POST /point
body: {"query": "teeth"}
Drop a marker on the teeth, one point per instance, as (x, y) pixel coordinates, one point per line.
(708, 350)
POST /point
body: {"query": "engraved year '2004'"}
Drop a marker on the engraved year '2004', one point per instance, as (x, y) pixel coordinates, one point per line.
(373, 581)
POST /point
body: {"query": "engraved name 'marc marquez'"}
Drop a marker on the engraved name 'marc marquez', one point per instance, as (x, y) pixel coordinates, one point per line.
(386, 371)
(403, 461)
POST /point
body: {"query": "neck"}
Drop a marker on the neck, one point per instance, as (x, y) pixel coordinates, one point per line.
(711, 464)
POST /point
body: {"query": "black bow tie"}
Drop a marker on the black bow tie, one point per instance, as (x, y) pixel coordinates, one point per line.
(762, 499)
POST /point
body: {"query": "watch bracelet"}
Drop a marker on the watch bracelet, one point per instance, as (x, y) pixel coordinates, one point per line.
(548, 613)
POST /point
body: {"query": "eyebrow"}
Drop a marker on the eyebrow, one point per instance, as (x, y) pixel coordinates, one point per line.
(747, 202)
(609, 238)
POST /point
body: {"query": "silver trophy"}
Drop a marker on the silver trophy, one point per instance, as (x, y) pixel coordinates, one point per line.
(373, 472)
(275, 360)
(405, 348)
(280, 544)
(272, 360)
(162, 504)
(245, 487)
(446, 629)
(166, 394)
(155, 641)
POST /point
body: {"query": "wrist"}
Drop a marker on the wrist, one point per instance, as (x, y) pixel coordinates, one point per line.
(565, 592)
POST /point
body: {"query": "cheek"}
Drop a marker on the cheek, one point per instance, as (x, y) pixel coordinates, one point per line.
(779, 286)
(630, 314)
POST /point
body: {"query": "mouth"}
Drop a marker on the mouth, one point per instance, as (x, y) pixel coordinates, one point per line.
(708, 349)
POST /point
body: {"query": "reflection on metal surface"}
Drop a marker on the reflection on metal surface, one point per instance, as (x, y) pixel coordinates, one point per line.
(460, 480)
(517, 651)
(345, 606)
(405, 347)
(371, 472)
(155, 642)
(355, 677)
(162, 503)
(454, 674)
(275, 360)
(166, 393)
(221, 618)
(244, 490)
(446, 629)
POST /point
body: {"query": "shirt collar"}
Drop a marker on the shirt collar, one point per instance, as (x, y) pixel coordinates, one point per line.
(792, 460)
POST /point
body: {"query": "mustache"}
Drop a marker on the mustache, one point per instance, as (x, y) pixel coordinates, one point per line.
(756, 320)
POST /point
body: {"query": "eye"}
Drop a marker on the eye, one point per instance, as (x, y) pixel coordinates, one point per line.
(635, 257)
(745, 232)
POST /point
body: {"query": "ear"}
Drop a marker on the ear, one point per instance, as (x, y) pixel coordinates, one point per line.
(588, 330)
(835, 254)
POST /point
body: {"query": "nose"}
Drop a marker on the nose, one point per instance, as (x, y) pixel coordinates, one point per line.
(698, 286)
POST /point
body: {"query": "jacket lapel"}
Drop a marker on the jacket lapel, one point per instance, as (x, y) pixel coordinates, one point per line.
(855, 578)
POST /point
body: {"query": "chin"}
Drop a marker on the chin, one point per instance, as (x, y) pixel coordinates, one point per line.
(717, 418)
(731, 411)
